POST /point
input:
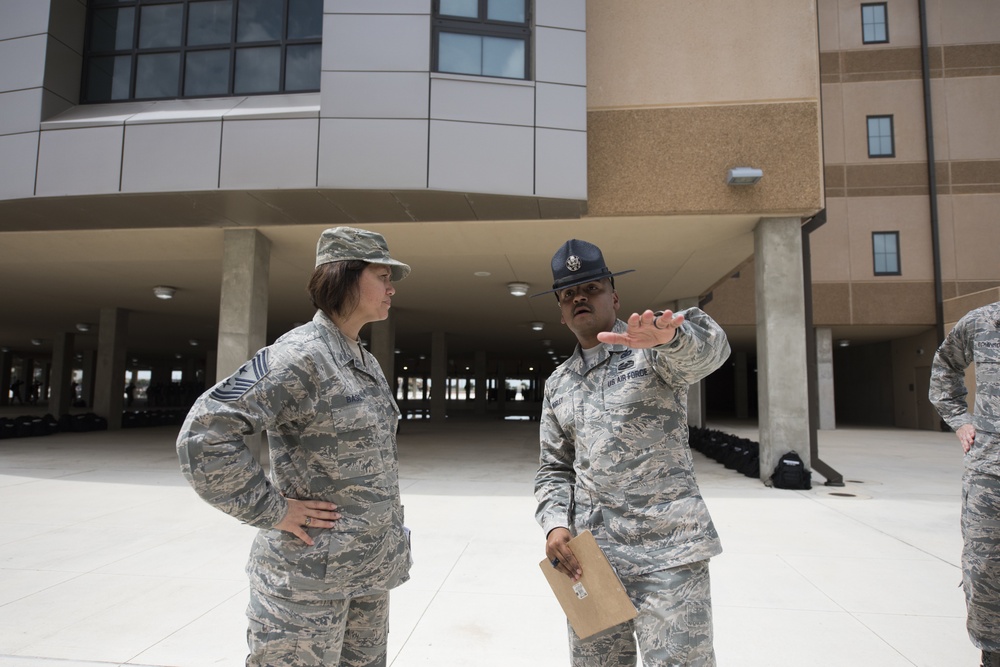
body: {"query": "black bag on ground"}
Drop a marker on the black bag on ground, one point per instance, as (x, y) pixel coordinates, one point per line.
(791, 473)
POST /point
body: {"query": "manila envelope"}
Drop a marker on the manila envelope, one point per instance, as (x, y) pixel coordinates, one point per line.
(597, 601)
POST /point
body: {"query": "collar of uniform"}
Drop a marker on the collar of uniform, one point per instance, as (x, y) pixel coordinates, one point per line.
(576, 361)
(338, 342)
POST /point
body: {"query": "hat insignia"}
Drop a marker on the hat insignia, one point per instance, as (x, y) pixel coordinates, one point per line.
(573, 263)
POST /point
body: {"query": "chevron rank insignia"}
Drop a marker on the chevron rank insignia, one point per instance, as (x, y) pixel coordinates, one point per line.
(242, 380)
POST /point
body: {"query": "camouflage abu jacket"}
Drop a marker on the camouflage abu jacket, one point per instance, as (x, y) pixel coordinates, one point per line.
(331, 427)
(614, 450)
(975, 339)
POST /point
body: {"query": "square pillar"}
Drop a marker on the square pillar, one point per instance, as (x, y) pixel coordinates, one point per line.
(439, 376)
(89, 378)
(246, 266)
(782, 379)
(60, 392)
(479, 368)
(824, 379)
(742, 388)
(6, 361)
(109, 378)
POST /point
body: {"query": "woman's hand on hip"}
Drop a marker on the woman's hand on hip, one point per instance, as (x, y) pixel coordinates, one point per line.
(303, 514)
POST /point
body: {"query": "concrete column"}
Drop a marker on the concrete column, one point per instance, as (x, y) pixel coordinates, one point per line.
(109, 379)
(439, 375)
(782, 380)
(696, 392)
(383, 346)
(61, 395)
(742, 388)
(43, 391)
(824, 379)
(211, 362)
(6, 361)
(27, 376)
(479, 369)
(246, 263)
(89, 379)
(243, 301)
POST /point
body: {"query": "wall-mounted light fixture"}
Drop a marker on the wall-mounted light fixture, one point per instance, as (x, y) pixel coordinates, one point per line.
(518, 289)
(83, 327)
(194, 342)
(537, 326)
(743, 176)
(843, 342)
(36, 341)
(164, 292)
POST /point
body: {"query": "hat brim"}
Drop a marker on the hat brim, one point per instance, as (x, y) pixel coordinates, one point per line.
(582, 281)
(398, 269)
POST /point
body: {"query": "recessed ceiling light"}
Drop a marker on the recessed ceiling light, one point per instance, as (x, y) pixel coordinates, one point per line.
(518, 289)
(164, 292)
(482, 274)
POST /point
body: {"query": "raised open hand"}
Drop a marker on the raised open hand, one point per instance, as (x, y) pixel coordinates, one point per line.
(647, 330)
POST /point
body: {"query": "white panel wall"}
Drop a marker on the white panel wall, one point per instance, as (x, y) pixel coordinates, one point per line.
(570, 14)
(62, 70)
(18, 154)
(79, 161)
(561, 56)
(561, 163)
(164, 157)
(374, 94)
(269, 153)
(23, 62)
(376, 154)
(23, 17)
(561, 106)
(478, 157)
(383, 42)
(482, 101)
(379, 7)
(382, 119)
(19, 111)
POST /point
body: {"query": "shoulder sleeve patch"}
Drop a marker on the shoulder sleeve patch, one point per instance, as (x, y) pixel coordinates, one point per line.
(240, 382)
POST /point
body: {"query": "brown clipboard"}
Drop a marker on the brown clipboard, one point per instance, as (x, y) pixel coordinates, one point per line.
(597, 601)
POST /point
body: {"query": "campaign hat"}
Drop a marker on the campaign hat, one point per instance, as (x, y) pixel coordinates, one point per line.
(577, 262)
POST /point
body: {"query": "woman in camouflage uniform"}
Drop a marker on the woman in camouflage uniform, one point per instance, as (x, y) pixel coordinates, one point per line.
(331, 542)
(976, 339)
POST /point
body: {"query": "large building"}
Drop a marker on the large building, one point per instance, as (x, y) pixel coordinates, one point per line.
(197, 148)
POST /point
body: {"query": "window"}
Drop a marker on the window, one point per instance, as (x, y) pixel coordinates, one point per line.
(880, 142)
(482, 37)
(163, 49)
(885, 250)
(874, 24)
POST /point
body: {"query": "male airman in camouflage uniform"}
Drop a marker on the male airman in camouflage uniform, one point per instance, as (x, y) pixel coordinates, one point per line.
(615, 460)
(976, 339)
(331, 542)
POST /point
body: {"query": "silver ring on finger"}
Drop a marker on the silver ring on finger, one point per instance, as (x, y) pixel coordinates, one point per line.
(309, 520)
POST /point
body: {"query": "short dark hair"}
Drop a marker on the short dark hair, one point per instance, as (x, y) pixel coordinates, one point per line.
(333, 287)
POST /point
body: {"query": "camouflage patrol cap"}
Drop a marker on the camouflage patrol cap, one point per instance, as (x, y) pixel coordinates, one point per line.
(345, 243)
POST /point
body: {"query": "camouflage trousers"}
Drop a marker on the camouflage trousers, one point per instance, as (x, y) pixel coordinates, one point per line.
(349, 633)
(981, 558)
(673, 627)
